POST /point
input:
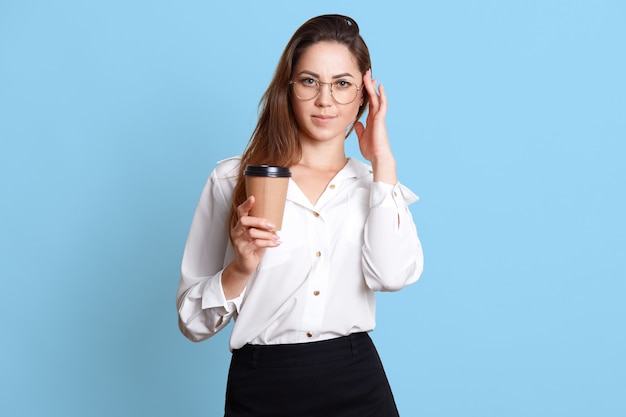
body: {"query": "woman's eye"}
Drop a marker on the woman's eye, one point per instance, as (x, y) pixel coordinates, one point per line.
(308, 82)
(343, 84)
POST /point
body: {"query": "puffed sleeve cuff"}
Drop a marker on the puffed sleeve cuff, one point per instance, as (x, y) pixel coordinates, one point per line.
(213, 296)
(392, 255)
(387, 195)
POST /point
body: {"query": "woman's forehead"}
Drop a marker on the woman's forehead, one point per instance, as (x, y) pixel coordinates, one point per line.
(327, 59)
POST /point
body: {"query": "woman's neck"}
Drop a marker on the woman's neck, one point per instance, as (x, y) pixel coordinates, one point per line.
(323, 157)
(317, 167)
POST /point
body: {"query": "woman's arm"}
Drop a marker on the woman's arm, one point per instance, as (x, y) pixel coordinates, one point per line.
(373, 139)
(392, 253)
(214, 274)
(202, 306)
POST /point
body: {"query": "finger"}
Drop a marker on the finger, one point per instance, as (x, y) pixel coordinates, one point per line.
(261, 234)
(243, 211)
(244, 208)
(383, 101)
(265, 243)
(248, 222)
(374, 103)
(369, 83)
(249, 240)
(359, 129)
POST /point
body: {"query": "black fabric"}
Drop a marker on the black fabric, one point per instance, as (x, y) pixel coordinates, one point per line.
(341, 377)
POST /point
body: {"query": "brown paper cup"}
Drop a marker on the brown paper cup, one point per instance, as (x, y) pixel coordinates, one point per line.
(268, 184)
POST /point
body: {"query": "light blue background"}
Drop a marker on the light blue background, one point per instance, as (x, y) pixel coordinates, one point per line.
(508, 118)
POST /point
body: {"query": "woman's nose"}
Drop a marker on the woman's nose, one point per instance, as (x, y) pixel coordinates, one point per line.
(325, 96)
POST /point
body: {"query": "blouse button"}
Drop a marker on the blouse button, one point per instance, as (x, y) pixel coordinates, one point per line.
(395, 194)
(316, 293)
(316, 214)
(332, 186)
(309, 334)
(318, 254)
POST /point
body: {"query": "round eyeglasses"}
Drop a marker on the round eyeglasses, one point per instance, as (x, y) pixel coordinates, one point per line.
(343, 91)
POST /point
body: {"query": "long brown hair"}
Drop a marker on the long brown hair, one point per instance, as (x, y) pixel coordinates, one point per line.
(274, 141)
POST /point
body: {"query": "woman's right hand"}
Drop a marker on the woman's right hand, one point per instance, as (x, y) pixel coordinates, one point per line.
(250, 237)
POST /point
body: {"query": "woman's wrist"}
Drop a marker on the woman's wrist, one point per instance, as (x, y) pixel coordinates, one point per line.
(384, 168)
(234, 281)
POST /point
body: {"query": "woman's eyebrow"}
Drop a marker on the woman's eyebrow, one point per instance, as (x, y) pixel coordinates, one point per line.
(345, 74)
(315, 75)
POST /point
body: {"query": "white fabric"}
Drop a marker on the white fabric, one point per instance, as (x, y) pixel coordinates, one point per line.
(320, 282)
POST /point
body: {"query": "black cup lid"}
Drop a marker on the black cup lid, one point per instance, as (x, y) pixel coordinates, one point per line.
(267, 171)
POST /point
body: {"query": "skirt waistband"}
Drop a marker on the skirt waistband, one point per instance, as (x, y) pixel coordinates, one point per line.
(301, 354)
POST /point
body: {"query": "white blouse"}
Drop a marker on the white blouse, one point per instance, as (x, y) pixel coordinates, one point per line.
(320, 282)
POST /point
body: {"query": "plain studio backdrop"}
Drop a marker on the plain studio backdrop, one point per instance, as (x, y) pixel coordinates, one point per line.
(507, 118)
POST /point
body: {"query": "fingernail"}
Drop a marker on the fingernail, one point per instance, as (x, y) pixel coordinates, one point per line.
(270, 225)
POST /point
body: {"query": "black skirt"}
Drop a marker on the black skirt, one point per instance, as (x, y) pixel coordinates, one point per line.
(341, 377)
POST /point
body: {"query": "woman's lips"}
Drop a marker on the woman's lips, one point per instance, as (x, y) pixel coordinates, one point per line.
(322, 119)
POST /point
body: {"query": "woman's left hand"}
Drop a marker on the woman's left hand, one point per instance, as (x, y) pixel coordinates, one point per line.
(373, 138)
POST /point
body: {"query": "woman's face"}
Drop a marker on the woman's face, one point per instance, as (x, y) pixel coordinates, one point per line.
(322, 118)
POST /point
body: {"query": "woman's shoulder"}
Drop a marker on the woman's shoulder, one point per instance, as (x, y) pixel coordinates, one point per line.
(227, 168)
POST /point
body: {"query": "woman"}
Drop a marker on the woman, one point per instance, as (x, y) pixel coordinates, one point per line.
(303, 299)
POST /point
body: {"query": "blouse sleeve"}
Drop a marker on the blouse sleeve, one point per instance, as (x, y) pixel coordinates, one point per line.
(392, 252)
(202, 307)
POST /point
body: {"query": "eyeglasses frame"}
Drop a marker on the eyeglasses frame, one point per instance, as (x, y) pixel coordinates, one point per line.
(319, 89)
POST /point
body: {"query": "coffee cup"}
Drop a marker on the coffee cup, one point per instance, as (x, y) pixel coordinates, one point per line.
(268, 184)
